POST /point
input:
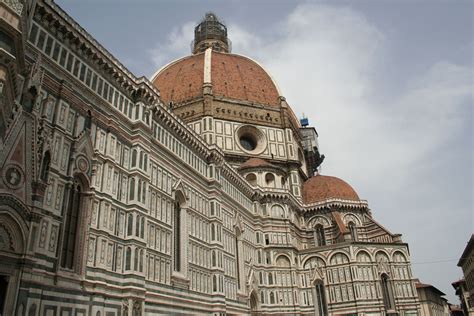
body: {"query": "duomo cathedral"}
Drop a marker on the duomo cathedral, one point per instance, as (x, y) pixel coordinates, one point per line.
(194, 192)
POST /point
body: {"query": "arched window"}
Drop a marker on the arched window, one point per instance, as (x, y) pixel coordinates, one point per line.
(251, 178)
(237, 260)
(387, 293)
(137, 226)
(320, 299)
(253, 302)
(45, 167)
(132, 189)
(130, 225)
(177, 237)
(142, 227)
(139, 190)
(261, 277)
(141, 159)
(319, 237)
(262, 297)
(214, 283)
(140, 259)
(353, 230)
(71, 225)
(135, 259)
(272, 298)
(283, 182)
(144, 192)
(32, 310)
(270, 278)
(128, 258)
(134, 158)
(214, 260)
(270, 179)
(213, 231)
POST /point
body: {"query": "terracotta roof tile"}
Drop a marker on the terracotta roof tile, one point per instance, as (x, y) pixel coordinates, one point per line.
(238, 77)
(232, 76)
(255, 162)
(320, 188)
(181, 80)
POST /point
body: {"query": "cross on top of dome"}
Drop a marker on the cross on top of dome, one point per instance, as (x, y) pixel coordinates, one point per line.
(210, 33)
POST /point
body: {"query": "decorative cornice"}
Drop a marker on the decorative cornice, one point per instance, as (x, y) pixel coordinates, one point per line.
(330, 203)
(62, 25)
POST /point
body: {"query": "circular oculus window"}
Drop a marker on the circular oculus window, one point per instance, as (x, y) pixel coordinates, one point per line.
(251, 139)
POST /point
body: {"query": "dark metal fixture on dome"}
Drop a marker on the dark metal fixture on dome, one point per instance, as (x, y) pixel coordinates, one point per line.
(210, 33)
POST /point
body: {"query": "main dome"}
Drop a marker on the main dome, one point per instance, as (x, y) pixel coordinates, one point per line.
(214, 83)
(320, 188)
(232, 76)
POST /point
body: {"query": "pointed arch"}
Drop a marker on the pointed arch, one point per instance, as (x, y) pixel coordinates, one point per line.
(319, 236)
(44, 173)
(387, 292)
(74, 215)
(353, 230)
(320, 301)
(253, 301)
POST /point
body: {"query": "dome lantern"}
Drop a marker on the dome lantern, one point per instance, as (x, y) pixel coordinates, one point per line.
(210, 33)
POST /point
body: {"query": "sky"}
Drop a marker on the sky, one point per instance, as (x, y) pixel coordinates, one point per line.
(387, 84)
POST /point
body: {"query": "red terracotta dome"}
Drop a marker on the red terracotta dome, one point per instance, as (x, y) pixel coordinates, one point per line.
(320, 188)
(232, 76)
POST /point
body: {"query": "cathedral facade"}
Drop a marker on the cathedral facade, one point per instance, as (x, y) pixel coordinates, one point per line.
(195, 192)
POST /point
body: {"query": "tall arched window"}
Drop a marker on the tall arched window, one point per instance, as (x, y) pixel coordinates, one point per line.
(213, 231)
(139, 190)
(45, 167)
(134, 158)
(177, 237)
(237, 259)
(319, 237)
(130, 225)
(128, 258)
(32, 310)
(320, 299)
(272, 298)
(270, 278)
(132, 189)
(214, 283)
(214, 259)
(141, 159)
(353, 230)
(140, 260)
(387, 293)
(137, 226)
(135, 259)
(71, 226)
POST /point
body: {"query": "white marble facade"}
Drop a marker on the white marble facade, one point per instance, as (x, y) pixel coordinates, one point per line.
(123, 209)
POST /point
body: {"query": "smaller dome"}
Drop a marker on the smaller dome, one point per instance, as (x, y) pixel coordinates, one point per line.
(320, 188)
(255, 163)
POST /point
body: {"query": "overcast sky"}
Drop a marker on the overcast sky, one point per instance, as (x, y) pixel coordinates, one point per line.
(387, 84)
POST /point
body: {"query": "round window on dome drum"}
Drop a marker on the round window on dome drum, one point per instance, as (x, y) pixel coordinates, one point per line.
(248, 142)
(251, 139)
